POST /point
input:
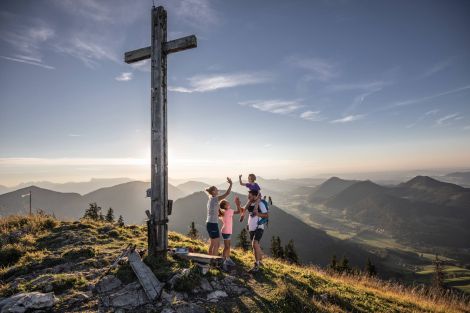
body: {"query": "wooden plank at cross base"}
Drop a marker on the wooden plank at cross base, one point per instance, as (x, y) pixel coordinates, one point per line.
(152, 286)
(200, 258)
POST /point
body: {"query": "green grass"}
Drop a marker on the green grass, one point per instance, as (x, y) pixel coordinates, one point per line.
(455, 277)
(89, 246)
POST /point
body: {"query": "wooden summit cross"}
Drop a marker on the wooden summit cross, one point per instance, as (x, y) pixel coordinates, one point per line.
(160, 205)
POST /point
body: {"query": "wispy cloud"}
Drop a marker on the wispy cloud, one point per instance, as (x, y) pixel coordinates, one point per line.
(74, 135)
(205, 83)
(88, 48)
(124, 77)
(364, 89)
(26, 39)
(422, 99)
(348, 119)
(143, 66)
(436, 68)
(422, 117)
(311, 116)
(96, 11)
(197, 13)
(448, 119)
(275, 106)
(318, 69)
(467, 127)
(26, 61)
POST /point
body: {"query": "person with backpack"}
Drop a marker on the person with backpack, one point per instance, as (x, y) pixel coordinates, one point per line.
(256, 222)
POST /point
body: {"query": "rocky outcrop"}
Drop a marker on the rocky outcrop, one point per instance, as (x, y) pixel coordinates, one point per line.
(23, 302)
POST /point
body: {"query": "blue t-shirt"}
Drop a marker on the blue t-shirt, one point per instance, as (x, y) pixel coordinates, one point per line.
(253, 186)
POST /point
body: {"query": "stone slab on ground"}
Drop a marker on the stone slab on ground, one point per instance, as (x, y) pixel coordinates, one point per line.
(23, 302)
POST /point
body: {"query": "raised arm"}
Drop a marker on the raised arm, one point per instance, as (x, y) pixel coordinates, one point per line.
(237, 203)
(222, 197)
(240, 180)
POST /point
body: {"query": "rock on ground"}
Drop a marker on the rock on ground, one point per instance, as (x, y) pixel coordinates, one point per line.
(107, 284)
(22, 302)
(216, 295)
(131, 296)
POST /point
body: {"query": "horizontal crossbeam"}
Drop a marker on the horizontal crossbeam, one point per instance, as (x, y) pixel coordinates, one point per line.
(180, 44)
(172, 46)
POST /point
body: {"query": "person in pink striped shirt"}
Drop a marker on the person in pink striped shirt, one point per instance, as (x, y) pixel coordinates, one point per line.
(226, 215)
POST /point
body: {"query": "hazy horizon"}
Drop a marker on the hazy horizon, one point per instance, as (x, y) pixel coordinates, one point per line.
(379, 176)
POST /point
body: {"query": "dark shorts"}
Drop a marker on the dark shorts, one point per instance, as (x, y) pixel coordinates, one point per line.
(213, 230)
(226, 236)
(257, 234)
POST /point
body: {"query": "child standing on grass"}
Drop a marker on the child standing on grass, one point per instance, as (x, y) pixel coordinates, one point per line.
(226, 215)
(252, 186)
(212, 221)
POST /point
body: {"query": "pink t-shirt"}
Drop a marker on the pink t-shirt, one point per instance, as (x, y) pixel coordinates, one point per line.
(227, 220)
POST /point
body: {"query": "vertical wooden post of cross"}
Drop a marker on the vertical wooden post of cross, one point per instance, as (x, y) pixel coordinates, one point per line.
(157, 223)
(158, 242)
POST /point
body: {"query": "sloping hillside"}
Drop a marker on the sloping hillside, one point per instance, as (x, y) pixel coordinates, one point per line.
(69, 260)
(409, 220)
(329, 188)
(192, 186)
(62, 204)
(427, 189)
(314, 245)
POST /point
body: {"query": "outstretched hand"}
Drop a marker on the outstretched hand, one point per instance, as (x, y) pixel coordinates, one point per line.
(237, 201)
(229, 180)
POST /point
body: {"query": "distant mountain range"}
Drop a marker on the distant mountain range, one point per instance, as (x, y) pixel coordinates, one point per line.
(75, 187)
(420, 211)
(192, 186)
(128, 199)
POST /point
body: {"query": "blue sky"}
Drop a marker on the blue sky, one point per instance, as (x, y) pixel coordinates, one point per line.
(279, 88)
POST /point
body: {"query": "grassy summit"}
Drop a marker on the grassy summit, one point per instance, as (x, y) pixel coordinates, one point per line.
(40, 253)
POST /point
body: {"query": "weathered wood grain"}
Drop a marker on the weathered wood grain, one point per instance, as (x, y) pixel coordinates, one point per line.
(152, 286)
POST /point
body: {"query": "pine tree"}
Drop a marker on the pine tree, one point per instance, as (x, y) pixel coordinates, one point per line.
(243, 241)
(370, 268)
(333, 264)
(276, 248)
(120, 221)
(290, 254)
(438, 278)
(101, 217)
(110, 216)
(344, 265)
(193, 232)
(93, 212)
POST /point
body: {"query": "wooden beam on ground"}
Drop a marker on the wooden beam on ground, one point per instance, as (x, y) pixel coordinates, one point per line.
(200, 258)
(147, 279)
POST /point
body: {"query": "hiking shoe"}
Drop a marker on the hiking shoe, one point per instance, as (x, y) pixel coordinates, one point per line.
(254, 269)
(225, 266)
(230, 262)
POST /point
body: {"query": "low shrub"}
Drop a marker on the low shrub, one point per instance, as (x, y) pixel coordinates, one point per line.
(10, 254)
(76, 253)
